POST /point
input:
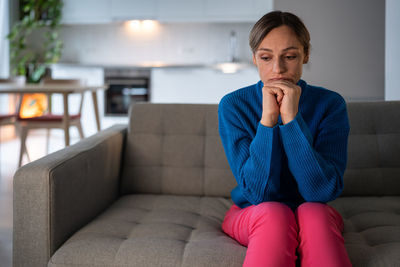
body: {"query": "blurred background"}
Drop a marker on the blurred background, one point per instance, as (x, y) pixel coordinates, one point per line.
(176, 51)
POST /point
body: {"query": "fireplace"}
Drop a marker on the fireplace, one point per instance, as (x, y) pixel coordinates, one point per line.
(33, 105)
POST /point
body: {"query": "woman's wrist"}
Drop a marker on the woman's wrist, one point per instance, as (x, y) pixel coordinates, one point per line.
(269, 120)
(288, 118)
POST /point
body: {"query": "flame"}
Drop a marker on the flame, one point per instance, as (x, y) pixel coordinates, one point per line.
(33, 105)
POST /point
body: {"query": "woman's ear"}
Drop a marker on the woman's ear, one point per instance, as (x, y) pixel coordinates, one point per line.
(254, 59)
(306, 58)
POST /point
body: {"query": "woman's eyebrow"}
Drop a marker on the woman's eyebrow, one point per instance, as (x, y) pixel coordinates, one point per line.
(290, 48)
(286, 49)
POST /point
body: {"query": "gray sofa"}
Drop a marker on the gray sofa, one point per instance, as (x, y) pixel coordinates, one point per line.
(155, 193)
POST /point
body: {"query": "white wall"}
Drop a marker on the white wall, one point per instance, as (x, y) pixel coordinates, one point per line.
(4, 46)
(392, 55)
(348, 44)
(4, 51)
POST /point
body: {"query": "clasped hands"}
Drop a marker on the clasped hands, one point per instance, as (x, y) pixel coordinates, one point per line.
(280, 97)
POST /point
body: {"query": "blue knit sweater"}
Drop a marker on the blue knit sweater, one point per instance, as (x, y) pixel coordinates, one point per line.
(303, 160)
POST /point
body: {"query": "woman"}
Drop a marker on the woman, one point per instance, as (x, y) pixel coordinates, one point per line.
(286, 143)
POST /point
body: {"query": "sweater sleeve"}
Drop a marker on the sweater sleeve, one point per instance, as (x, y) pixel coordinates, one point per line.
(318, 163)
(254, 161)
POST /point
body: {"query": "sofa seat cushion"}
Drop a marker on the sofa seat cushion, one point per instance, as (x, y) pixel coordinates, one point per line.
(154, 230)
(371, 229)
(167, 230)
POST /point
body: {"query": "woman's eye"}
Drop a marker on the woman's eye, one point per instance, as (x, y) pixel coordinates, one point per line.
(266, 58)
(291, 57)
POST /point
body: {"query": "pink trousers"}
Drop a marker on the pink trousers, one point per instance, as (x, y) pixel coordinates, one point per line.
(272, 233)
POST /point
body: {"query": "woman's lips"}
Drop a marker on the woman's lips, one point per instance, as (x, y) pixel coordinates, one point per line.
(280, 79)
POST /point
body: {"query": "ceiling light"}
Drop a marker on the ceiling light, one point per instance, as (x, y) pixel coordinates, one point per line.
(134, 25)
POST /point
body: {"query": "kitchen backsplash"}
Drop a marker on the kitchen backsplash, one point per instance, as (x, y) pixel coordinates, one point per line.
(173, 43)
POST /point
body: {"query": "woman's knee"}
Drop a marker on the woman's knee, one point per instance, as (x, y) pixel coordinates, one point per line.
(272, 213)
(311, 208)
(312, 214)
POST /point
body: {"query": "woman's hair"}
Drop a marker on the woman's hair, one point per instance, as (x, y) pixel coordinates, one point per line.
(276, 19)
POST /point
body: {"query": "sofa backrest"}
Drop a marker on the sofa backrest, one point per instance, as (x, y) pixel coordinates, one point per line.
(373, 166)
(176, 149)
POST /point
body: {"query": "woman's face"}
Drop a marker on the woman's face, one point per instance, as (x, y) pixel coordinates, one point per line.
(280, 56)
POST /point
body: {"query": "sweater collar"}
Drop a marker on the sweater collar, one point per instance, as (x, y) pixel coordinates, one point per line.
(303, 86)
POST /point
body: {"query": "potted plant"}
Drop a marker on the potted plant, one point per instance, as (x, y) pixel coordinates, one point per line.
(38, 19)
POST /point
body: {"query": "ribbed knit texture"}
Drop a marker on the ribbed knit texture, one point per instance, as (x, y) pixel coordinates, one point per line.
(303, 160)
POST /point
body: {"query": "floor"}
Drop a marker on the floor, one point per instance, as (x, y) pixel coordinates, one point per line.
(36, 144)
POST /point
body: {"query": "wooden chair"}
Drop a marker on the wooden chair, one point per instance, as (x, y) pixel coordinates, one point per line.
(8, 118)
(11, 118)
(49, 120)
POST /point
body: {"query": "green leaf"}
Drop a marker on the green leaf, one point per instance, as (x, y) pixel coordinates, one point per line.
(38, 73)
(36, 15)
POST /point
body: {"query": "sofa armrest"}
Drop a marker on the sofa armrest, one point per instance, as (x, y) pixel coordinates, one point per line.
(60, 193)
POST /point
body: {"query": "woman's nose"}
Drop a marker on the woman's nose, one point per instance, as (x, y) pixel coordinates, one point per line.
(278, 66)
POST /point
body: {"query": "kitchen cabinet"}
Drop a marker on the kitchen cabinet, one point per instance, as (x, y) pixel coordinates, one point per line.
(106, 11)
(236, 10)
(212, 10)
(86, 12)
(180, 10)
(133, 9)
(197, 85)
(228, 9)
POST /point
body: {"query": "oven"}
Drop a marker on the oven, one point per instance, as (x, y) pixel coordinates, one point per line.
(125, 86)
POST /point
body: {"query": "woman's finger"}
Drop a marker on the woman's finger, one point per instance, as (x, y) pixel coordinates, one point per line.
(285, 86)
(278, 92)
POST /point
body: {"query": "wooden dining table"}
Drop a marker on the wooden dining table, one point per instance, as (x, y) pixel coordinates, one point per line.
(64, 89)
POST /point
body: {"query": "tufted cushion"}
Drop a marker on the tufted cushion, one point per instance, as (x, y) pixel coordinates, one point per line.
(371, 229)
(373, 167)
(150, 230)
(167, 142)
(155, 230)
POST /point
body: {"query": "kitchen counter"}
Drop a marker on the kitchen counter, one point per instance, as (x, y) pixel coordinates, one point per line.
(168, 83)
